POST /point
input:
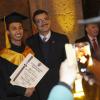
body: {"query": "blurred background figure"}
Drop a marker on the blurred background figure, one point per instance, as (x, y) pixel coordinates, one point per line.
(67, 75)
(93, 37)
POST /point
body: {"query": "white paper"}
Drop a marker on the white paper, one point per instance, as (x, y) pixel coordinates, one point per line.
(71, 54)
(29, 72)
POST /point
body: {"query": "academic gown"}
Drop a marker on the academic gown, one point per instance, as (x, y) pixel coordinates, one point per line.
(51, 53)
(8, 91)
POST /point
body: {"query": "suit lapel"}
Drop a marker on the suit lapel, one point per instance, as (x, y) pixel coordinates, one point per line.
(38, 50)
(91, 47)
(52, 43)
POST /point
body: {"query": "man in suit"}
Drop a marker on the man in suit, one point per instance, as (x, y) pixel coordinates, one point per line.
(92, 33)
(48, 47)
(92, 36)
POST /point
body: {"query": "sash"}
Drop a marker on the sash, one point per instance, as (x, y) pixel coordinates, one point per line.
(13, 56)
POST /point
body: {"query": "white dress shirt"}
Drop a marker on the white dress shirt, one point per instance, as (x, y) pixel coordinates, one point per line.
(91, 40)
(46, 36)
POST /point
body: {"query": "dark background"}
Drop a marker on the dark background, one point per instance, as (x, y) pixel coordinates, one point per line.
(91, 8)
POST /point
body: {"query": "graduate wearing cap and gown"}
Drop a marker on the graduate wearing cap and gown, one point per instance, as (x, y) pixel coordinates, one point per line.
(11, 57)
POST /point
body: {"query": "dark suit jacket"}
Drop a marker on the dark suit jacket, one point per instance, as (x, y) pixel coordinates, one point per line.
(55, 57)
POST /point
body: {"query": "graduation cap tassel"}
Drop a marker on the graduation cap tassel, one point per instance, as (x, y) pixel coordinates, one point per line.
(6, 35)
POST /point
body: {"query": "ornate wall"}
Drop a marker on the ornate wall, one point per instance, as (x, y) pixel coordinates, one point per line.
(8, 6)
(64, 15)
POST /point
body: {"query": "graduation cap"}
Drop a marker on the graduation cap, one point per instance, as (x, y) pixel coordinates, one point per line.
(14, 17)
(8, 19)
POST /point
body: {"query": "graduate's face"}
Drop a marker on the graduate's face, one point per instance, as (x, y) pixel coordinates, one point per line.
(15, 31)
(92, 30)
(43, 23)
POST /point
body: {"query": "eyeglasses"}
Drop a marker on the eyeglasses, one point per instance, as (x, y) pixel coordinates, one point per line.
(40, 21)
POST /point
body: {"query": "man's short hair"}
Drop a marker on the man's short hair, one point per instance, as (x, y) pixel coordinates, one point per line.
(38, 12)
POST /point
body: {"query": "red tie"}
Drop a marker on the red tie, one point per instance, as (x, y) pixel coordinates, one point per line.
(95, 46)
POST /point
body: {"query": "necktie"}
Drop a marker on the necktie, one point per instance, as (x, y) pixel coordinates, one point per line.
(44, 39)
(95, 46)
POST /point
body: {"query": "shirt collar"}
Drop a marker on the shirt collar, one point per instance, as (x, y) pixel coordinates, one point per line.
(46, 36)
(91, 38)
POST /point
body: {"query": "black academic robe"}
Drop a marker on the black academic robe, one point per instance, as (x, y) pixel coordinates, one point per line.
(55, 54)
(8, 91)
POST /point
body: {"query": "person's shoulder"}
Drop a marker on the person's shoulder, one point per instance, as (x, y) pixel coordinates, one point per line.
(60, 36)
(82, 39)
(32, 37)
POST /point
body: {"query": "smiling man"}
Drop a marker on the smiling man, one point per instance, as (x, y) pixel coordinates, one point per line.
(11, 57)
(49, 49)
(93, 37)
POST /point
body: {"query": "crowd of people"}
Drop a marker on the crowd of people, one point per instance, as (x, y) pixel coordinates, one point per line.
(49, 47)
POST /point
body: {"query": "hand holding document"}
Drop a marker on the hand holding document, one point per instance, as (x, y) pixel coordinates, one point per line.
(29, 72)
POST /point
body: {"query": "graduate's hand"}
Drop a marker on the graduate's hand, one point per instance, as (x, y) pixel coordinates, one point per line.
(68, 72)
(29, 92)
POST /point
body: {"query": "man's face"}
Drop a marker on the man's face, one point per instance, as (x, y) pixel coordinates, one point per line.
(43, 23)
(92, 30)
(15, 31)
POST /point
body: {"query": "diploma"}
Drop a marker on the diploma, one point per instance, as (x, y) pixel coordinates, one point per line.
(29, 72)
